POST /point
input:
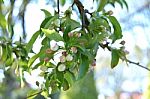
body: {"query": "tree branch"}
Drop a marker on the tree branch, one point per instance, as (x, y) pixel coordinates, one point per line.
(84, 20)
(137, 64)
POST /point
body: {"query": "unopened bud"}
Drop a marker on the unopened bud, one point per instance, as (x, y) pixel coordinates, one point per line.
(64, 53)
(122, 42)
(48, 51)
(70, 34)
(46, 59)
(43, 68)
(69, 57)
(62, 59)
(94, 62)
(126, 52)
(110, 12)
(78, 35)
(73, 49)
(61, 67)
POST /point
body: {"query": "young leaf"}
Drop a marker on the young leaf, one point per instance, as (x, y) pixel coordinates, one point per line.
(83, 67)
(31, 42)
(101, 5)
(4, 53)
(52, 34)
(47, 13)
(117, 29)
(114, 58)
(3, 22)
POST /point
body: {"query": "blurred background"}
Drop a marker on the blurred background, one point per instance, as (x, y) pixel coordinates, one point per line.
(122, 82)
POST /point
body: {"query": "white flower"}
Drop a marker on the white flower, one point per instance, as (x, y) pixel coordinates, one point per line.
(61, 67)
(54, 45)
(69, 57)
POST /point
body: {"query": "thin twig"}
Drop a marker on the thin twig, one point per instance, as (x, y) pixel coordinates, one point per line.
(35, 94)
(138, 64)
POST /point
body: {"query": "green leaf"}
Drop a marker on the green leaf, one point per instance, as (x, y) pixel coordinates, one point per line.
(23, 62)
(47, 13)
(1, 1)
(62, 2)
(3, 22)
(65, 85)
(32, 59)
(114, 58)
(117, 29)
(4, 53)
(83, 67)
(9, 61)
(52, 34)
(69, 76)
(31, 42)
(47, 21)
(38, 64)
(74, 24)
(65, 35)
(124, 1)
(101, 5)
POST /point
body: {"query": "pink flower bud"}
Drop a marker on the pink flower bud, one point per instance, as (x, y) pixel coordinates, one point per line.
(94, 62)
(62, 59)
(73, 49)
(69, 57)
(61, 67)
(126, 52)
(48, 51)
(46, 59)
(70, 34)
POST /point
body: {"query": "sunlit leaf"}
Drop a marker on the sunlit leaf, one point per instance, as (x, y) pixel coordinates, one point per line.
(3, 22)
(101, 5)
(47, 13)
(114, 58)
(31, 42)
(52, 34)
(117, 29)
